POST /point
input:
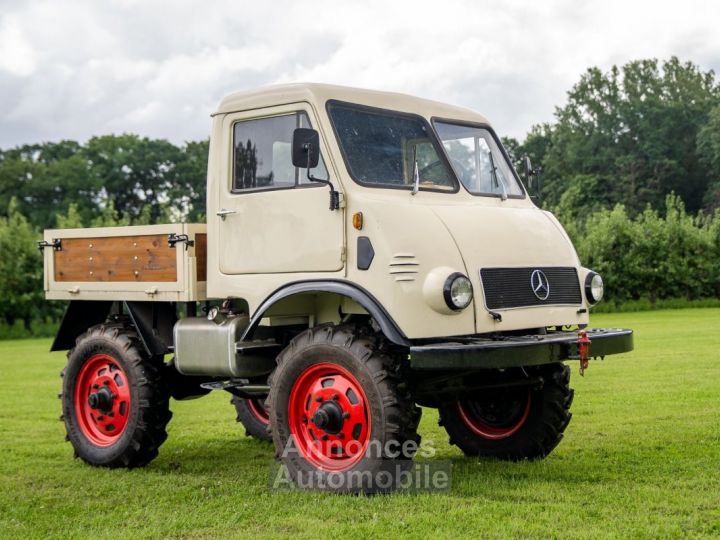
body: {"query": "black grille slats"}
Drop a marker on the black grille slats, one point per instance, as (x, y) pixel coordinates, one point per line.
(510, 287)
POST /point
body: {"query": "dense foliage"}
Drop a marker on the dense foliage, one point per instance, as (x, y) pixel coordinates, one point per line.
(21, 270)
(631, 167)
(140, 179)
(650, 256)
(632, 136)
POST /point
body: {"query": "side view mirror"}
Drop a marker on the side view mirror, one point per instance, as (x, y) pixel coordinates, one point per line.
(306, 154)
(529, 175)
(305, 148)
(528, 168)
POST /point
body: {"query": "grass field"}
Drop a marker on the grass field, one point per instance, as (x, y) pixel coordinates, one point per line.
(641, 458)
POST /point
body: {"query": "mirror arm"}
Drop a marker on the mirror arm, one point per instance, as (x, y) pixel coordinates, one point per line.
(530, 175)
(334, 195)
(535, 174)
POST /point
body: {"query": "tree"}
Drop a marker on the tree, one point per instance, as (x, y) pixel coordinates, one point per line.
(630, 135)
(188, 192)
(512, 146)
(109, 217)
(21, 268)
(71, 220)
(45, 178)
(134, 172)
(708, 142)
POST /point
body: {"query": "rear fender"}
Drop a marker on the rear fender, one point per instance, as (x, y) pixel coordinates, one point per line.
(79, 316)
(153, 321)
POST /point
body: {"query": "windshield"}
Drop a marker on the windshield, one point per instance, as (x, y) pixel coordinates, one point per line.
(384, 148)
(477, 159)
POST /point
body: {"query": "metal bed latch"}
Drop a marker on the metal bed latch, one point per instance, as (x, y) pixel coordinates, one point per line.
(175, 238)
(56, 244)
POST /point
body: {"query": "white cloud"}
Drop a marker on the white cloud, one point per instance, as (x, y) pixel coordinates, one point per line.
(75, 68)
(17, 56)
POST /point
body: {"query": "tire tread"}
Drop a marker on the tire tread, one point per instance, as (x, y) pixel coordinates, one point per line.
(153, 399)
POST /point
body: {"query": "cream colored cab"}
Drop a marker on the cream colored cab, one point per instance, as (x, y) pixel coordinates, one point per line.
(270, 218)
(437, 197)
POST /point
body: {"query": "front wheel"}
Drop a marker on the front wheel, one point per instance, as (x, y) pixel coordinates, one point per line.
(339, 417)
(512, 423)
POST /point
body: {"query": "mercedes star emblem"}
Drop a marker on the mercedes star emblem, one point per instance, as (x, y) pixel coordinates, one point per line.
(540, 285)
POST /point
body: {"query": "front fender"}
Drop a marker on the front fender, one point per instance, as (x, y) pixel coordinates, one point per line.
(344, 288)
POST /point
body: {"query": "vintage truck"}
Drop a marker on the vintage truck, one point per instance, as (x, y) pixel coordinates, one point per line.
(365, 253)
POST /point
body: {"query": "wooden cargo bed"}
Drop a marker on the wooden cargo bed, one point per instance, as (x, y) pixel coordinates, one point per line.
(146, 262)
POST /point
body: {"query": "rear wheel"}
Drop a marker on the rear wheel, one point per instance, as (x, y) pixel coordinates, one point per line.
(339, 417)
(115, 403)
(512, 423)
(253, 415)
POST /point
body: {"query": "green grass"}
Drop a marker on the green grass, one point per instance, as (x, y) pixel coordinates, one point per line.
(641, 458)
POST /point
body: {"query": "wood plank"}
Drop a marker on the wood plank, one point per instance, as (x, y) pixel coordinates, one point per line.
(118, 258)
(201, 256)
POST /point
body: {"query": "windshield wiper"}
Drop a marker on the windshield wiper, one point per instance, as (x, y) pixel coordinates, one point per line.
(416, 174)
(493, 173)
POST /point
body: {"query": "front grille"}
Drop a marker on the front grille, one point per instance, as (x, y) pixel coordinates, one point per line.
(510, 287)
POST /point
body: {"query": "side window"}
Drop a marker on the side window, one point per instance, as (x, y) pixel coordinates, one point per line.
(262, 153)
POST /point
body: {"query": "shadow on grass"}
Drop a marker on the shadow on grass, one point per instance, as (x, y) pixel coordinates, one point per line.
(248, 459)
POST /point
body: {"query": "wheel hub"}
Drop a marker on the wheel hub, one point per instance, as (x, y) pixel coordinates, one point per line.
(102, 399)
(498, 416)
(329, 417)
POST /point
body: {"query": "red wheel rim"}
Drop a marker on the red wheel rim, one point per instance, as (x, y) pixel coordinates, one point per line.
(329, 417)
(258, 410)
(488, 427)
(102, 400)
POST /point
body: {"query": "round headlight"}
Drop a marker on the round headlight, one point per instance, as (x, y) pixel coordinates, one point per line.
(458, 291)
(594, 288)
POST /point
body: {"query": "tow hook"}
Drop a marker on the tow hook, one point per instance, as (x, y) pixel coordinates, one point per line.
(583, 349)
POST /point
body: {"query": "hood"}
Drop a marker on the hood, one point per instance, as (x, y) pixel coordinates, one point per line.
(501, 237)
(507, 237)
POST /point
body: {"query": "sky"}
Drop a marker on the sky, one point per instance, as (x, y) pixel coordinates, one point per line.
(72, 69)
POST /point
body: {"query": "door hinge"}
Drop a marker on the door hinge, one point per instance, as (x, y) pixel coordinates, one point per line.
(343, 254)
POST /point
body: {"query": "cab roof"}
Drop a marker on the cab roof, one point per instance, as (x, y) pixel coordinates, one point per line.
(319, 94)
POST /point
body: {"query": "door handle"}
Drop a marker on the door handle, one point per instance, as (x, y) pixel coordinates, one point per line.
(223, 213)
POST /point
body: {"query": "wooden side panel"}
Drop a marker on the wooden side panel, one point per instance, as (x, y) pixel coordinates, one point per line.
(201, 256)
(120, 258)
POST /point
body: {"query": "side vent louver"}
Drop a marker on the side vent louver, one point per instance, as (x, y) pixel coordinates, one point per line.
(403, 267)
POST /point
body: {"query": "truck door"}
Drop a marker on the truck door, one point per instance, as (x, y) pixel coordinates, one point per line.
(272, 219)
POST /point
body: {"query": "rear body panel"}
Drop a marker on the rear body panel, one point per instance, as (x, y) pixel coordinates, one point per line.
(127, 263)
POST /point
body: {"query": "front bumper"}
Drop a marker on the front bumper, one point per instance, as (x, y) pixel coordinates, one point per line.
(517, 351)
